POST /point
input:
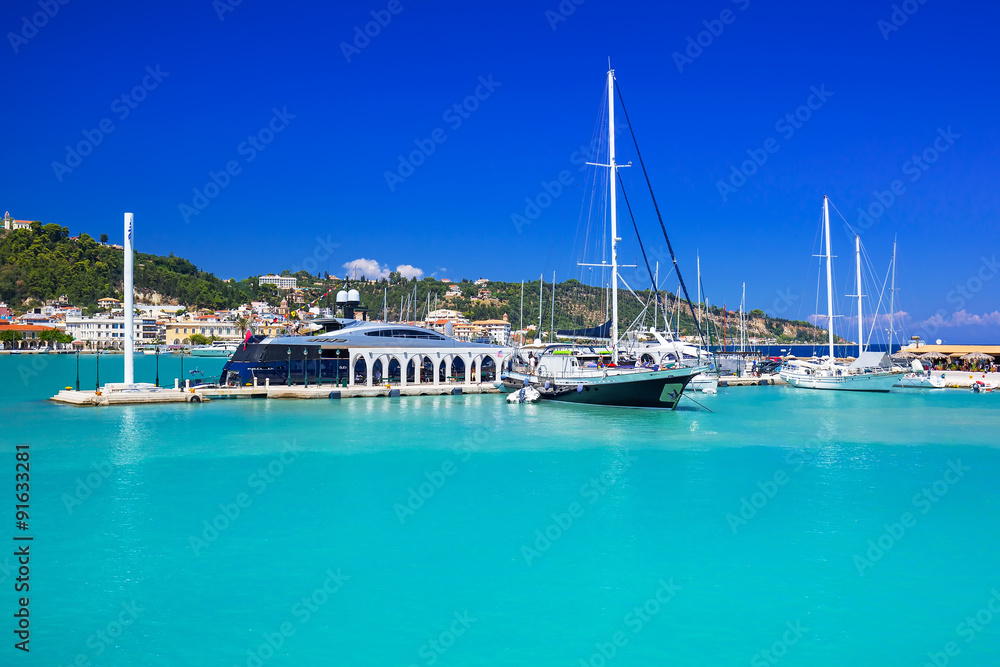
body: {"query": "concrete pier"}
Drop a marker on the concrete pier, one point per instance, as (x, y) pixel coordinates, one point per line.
(208, 394)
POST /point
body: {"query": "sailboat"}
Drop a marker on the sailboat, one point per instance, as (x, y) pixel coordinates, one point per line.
(870, 371)
(583, 374)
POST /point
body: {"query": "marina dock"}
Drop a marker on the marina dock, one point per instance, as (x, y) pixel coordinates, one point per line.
(208, 394)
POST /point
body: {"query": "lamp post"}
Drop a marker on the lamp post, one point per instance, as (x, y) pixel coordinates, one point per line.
(97, 383)
(78, 369)
(305, 366)
(157, 365)
(288, 373)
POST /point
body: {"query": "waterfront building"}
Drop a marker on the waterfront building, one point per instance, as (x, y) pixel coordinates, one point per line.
(281, 282)
(109, 332)
(28, 334)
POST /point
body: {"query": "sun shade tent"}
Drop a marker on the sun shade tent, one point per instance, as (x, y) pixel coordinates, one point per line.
(903, 354)
(934, 355)
(977, 356)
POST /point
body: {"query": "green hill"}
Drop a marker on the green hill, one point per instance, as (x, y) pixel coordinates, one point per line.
(43, 262)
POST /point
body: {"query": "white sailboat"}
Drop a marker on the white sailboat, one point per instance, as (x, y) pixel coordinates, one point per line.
(583, 374)
(871, 371)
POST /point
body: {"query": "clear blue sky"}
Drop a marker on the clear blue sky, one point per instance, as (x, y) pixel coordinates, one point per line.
(323, 174)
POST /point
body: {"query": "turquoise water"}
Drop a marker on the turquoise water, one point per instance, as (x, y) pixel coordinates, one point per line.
(648, 558)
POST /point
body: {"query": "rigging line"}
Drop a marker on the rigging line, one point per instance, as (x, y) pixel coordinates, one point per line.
(697, 403)
(659, 217)
(639, 238)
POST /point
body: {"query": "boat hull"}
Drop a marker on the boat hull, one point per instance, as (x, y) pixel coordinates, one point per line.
(211, 352)
(881, 382)
(653, 389)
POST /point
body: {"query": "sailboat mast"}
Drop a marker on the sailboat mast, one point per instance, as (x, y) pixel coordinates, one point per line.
(743, 320)
(552, 317)
(541, 284)
(698, 258)
(656, 295)
(614, 215)
(892, 296)
(829, 273)
(520, 318)
(861, 326)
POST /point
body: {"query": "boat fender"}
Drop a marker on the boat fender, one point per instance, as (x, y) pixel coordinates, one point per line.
(579, 388)
(194, 399)
(334, 394)
(546, 384)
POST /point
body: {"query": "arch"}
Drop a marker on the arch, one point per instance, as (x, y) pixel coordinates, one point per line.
(393, 370)
(646, 359)
(488, 368)
(177, 341)
(378, 374)
(186, 341)
(456, 368)
(359, 370)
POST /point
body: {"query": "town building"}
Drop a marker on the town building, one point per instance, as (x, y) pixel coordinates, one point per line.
(11, 224)
(498, 331)
(281, 282)
(27, 335)
(109, 332)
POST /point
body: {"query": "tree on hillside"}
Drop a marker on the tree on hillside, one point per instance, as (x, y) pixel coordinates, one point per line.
(104, 239)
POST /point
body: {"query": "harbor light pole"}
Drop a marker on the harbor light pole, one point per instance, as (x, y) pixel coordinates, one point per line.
(157, 365)
(97, 383)
(305, 366)
(78, 369)
(288, 371)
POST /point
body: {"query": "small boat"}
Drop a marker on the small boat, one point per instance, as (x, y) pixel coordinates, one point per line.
(983, 387)
(921, 381)
(217, 349)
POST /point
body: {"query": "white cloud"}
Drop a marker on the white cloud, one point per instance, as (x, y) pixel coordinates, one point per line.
(408, 271)
(366, 268)
(963, 318)
(372, 270)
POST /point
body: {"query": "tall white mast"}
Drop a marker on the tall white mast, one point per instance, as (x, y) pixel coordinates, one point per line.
(656, 294)
(552, 320)
(613, 174)
(129, 305)
(520, 318)
(698, 257)
(861, 326)
(892, 296)
(541, 284)
(829, 273)
(743, 320)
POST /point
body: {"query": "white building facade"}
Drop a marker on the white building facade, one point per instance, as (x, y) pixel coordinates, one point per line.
(281, 282)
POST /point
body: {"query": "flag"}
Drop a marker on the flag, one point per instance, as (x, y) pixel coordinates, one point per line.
(246, 338)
